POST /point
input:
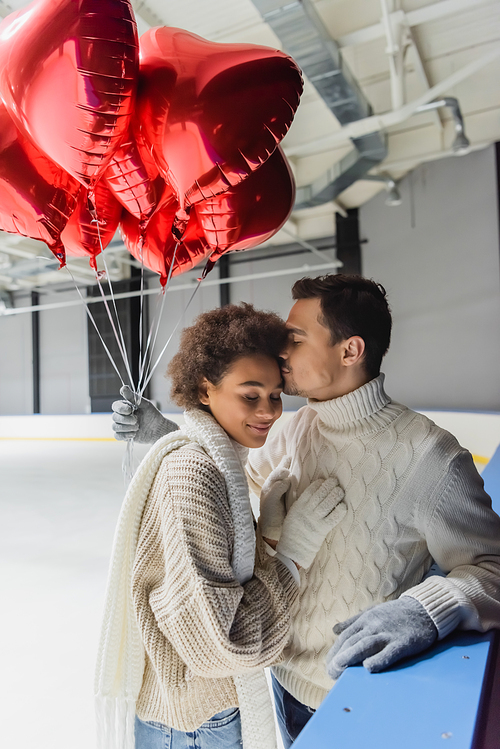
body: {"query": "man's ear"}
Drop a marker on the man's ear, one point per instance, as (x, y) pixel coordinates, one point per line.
(203, 389)
(354, 349)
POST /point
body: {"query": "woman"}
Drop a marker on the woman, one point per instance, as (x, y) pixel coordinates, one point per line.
(194, 611)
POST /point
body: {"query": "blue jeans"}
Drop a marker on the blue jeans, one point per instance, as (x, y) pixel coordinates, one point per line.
(292, 715)
(222, 731)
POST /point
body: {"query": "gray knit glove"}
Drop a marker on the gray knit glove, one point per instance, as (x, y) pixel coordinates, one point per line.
(381, 635)
(272, 500)
(310, 519)
(142, 423)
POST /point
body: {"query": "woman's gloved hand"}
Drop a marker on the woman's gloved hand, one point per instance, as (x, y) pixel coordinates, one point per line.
(142, 423)
(272, 500)
(310, 519)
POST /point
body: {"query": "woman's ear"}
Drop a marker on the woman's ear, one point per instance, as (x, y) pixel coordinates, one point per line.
(203, 390)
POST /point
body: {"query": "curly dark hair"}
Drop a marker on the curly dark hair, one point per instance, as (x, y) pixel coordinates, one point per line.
(216, 340)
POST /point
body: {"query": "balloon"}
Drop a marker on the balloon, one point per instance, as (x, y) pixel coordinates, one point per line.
(68, 75)
(129, 181)
(92, 226)
(157, 247)
(238, 219)
(36, 197)
(250, 213)
(211, 113)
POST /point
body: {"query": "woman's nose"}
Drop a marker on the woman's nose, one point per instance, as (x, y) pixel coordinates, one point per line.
(268, 410)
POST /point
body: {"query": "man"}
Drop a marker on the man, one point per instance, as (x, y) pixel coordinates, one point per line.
(412, 494)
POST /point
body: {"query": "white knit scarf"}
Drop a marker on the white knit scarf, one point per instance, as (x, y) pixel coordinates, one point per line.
(121, 654)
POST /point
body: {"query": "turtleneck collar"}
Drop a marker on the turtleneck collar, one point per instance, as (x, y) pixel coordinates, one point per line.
(360, 412)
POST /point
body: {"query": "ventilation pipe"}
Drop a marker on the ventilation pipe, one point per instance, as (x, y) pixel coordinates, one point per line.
(305, 37)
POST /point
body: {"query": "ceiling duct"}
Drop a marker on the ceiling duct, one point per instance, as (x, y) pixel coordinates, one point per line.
(305, 37)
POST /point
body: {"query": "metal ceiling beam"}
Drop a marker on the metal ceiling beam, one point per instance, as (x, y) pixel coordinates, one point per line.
(426, 14)
(305, 37)
(379, 122)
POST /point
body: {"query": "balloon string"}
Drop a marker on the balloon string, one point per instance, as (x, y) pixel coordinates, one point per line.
(89, 313)
(117, 330)
(141, 332)
(128, 456)
(158, 311)
(141, 359)
(170, 337)
(155, 324)
(152, 341)
(119, 344)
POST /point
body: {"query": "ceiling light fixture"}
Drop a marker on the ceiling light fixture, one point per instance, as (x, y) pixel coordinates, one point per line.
(461, 144)
(393, 195)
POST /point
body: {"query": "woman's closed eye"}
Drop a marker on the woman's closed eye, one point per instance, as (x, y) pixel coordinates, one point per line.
(255, 398)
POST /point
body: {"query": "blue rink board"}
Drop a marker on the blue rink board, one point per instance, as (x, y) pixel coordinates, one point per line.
(429, 701)
(421, 704)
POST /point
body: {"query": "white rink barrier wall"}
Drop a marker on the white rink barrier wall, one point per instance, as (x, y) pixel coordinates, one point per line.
(479, 432)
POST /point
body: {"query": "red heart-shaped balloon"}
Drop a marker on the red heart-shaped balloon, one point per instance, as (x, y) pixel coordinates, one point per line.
(128, 179)
(211, 113)
(93, 224)
(68, 75)
(252, 212)
(36, 196)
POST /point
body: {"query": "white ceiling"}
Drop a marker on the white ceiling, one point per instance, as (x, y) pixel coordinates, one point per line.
(453, 45)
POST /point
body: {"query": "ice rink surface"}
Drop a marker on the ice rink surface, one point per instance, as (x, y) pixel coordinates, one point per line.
(59, 504)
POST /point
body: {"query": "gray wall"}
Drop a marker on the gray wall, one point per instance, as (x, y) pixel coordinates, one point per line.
(64, 368)
(16, 381)
(64, 386)
(438, 257)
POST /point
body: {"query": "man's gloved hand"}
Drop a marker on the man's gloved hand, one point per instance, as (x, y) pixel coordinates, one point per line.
(381, 635)
(310, 519)
(143, 423)
(272, 500)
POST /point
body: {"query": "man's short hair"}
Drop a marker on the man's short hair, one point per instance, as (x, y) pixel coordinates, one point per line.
(352, 306)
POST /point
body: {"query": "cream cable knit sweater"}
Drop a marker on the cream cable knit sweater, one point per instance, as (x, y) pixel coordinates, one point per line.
(413, 495)
(189, 623)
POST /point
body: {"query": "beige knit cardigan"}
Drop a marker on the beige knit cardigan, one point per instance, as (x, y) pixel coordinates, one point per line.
(189, 623)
